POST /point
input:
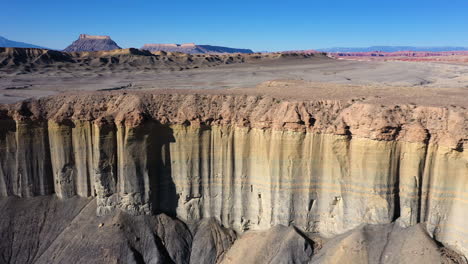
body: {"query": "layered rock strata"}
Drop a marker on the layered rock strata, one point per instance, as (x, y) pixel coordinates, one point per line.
(92, 43)
(192, 48)
(250, 162)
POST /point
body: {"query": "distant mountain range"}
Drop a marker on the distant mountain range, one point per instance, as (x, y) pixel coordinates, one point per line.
(6, 43)
(192, 48)
(92, 43)
(102, 43)
(393, 49)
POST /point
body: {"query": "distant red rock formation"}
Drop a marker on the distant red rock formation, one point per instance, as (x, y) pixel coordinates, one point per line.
(309, 51)
(399, 54)
(444, 56)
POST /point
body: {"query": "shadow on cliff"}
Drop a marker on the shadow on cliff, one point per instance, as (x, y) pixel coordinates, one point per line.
(163, 197)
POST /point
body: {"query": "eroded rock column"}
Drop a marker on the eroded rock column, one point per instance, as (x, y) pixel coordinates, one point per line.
(135, 166)
(8, 185)
(33, 164)
(105, 167)
(63, 159)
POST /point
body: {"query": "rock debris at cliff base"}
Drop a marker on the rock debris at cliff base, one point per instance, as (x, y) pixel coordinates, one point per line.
(68, 231)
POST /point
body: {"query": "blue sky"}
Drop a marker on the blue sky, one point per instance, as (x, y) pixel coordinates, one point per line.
(259, 25)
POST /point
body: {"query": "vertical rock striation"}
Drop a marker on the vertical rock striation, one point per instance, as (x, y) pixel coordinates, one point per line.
(318, 166)
(25, 159)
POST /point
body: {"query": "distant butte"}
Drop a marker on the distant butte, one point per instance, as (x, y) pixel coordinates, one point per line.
(92, 43)
(192, 48)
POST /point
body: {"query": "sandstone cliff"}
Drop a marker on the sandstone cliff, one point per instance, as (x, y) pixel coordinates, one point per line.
(252, 162)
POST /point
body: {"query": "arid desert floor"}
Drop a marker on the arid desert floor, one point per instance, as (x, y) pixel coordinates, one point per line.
(428, 83)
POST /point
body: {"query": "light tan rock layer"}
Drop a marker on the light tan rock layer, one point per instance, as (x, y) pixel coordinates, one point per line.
(251, 162)
(447, 126)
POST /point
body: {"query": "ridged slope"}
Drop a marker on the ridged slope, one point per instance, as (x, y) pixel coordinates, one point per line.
(12, 57)
(19, 60)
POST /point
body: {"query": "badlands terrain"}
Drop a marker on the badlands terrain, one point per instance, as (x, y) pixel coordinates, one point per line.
(33, 73)
(132, 156)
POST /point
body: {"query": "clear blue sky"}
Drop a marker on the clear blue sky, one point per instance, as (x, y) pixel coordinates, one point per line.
(259, 25)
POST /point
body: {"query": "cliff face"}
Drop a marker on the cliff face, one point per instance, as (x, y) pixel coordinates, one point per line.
(251, 162)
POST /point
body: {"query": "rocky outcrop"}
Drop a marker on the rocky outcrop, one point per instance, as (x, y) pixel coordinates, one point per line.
(379, 243)
(251, 162)
(210, 242)
(279, 244)
(92, 43)
(191, 48)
